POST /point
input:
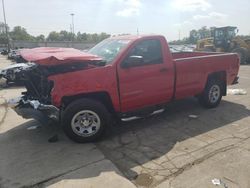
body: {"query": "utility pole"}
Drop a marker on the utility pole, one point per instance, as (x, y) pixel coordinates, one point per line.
(137, 31)
(6, 27)
(73, 27)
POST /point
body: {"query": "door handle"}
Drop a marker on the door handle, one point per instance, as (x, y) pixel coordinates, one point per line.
(163, 70)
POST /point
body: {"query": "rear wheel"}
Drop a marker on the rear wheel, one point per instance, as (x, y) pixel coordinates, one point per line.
(211, 96)
(242, 54)
(85, 120)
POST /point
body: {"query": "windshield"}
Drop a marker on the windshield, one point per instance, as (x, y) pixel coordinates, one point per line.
(109, 49)
(225, 33)
(231, 33)
(219, 33)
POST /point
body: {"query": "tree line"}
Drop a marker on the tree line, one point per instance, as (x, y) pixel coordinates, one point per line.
(20, 33)
(195, 35)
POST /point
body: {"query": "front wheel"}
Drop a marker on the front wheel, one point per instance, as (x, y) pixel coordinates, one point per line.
(212, 94)
(85, 120)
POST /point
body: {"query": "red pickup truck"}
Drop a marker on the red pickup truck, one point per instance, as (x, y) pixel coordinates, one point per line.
(119, 77)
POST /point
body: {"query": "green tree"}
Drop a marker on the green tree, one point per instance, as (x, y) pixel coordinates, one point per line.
(53, 36)
(204, 32)
(81, 37)
(3, 37)
(66, 36)
(201, 33)
(193, 37)
(103, 36)
(20, 33)
(3, 28)
(95, 37)
(40, 38)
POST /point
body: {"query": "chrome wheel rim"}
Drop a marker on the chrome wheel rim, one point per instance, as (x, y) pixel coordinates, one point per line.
(85, 123)
(214, 94)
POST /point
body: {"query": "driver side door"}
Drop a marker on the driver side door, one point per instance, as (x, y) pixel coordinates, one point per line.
(146, 83)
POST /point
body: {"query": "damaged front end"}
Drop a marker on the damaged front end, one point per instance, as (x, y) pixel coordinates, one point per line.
(36, 101)
(33, 109)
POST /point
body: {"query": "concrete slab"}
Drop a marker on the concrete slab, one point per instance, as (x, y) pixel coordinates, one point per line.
(98, 175)
(231, 167)
(27, 158)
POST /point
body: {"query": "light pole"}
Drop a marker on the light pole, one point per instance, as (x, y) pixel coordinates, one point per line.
(73, 27)
(6, 27)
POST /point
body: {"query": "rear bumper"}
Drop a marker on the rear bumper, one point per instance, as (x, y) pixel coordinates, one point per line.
(33, 109)
(236, 80)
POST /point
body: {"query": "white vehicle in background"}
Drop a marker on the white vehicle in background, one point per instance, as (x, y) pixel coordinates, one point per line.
(9, 73)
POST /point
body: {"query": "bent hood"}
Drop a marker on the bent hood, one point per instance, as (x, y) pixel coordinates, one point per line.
(49, 56)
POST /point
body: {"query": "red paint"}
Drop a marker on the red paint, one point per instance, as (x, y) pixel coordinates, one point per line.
(139, 86)
(54, 56)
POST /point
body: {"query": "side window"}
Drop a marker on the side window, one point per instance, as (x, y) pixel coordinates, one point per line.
(149, 50)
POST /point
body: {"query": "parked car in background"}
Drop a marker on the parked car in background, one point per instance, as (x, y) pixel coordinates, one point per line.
(10, 73)
(12, 54)
(4, 52)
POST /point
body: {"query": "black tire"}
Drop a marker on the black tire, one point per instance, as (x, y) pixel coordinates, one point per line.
(242, 54)
(80, 106)
(209, 100)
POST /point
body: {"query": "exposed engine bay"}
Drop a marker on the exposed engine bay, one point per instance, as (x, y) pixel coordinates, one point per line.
(36, 82)
(36, 101)
(35, 78)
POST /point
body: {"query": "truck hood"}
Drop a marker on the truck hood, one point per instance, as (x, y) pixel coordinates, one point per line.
(50, 56)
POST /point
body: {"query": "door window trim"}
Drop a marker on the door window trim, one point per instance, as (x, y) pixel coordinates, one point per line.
(161, 60)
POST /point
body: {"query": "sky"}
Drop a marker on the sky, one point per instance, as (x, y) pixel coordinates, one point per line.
(171, 18)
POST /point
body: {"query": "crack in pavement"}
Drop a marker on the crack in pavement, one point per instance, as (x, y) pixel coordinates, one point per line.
(204, 147)
(175, 171)
(40, 183)
(200, 160)
(5, 106)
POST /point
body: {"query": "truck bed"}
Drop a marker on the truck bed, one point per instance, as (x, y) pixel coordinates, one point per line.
(193, 68)
(181, 55)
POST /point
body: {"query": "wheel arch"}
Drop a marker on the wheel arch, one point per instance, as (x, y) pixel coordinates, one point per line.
(101, 96)
(221, 76)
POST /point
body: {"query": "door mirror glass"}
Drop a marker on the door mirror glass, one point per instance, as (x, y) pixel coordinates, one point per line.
(133, 61)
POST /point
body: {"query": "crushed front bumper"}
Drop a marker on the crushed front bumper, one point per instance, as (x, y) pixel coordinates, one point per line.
(33, 109)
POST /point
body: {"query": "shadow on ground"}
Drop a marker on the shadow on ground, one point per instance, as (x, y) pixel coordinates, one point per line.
(136, 143)
(27, 159)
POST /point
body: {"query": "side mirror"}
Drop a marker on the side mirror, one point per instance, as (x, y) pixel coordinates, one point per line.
(133, 61)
